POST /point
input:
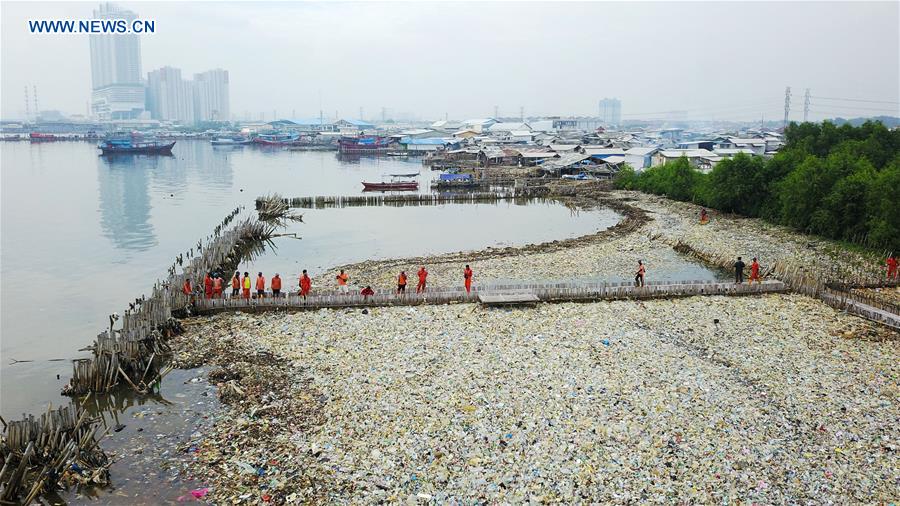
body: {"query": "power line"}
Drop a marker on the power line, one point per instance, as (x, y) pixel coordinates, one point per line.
(858, 108)
(858, 100)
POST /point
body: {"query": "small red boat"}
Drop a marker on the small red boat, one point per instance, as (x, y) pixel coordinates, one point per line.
(399, 182)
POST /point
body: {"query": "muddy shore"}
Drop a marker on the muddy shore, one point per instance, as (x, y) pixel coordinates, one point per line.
(766, 399)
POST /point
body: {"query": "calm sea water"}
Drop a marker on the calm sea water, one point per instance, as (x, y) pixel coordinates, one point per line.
(81, 235)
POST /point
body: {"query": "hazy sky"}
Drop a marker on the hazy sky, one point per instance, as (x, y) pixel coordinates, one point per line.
(722, 60)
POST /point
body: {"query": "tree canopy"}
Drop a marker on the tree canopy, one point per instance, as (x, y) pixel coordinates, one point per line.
(839, 182)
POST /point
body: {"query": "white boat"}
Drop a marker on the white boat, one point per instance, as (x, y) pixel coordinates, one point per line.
(229, 141)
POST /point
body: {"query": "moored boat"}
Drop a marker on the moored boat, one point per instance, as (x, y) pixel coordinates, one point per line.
(399, 182)
(366, 145)
(276, 138)
(229, 141)
(134, 146)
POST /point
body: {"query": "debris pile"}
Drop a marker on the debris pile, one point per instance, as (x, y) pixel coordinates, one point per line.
(762, 399)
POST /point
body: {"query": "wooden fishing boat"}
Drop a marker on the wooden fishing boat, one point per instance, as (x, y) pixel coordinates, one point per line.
(399, 182)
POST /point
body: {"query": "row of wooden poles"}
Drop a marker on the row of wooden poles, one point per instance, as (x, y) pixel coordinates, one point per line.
(818, 280)
(547, 292)
(37, 453)
(521, 195)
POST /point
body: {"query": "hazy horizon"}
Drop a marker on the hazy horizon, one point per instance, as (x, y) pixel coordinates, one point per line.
(727, 61)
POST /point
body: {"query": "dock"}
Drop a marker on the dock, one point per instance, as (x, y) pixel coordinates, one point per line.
(491, 295)
(520, 195)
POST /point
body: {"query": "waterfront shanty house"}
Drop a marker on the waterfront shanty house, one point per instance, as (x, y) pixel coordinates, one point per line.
(521, 136)
(758, 146)
(469, 153)
(446, 126)
(465, 134)
(504, 129)
(417, 133)
(703, 159)
(566, 163)
(420, 146)
(565, 148)
(532, 157)
(479, 125)
(640, 158)
(495, 155)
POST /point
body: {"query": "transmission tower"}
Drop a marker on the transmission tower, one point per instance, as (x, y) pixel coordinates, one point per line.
(37, 112)
(27, 105)
(806, 105)
(522, 113)
(787, 105)
(496, 112)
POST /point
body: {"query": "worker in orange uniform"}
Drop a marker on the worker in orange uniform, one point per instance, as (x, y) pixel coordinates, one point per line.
(342, 279)
(260, 285)
(217, 286)
(276, 285)
(891, 267)
(246, 285)
(467, 278)
(305, 285)
(423, 276)
(187, 289)
(208, 285)
(401, 283)
(754, 271)
(366, 292)
(236, 285)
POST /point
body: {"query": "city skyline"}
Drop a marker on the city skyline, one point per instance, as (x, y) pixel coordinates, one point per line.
(300, 59)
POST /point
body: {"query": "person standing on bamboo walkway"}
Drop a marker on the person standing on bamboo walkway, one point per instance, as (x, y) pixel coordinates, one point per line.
(246, 285)
(342, 279)
(639, 275)
(423, 276)
(236, 285)
(276, 285)
(208, 285)
(739, 271)
(891, 268)
(467, 279)
(401, 283)
(260, 286)
(754, 271)
(188, 290)
(305, 285)
(217, 286)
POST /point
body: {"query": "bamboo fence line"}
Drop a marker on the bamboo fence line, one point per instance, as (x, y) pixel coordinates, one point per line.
(522, 196)
(37, 452)
(546, 292)
(816, 280)
(135, 354)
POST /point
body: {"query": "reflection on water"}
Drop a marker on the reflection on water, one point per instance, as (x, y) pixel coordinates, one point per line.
(122, 183)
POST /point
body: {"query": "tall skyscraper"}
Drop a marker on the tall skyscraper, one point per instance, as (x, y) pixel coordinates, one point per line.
(169, 97)
(211, 99)
(117, 88)
(611, 111)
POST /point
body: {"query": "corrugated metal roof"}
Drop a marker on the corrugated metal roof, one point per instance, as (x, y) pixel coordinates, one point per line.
(431, 141)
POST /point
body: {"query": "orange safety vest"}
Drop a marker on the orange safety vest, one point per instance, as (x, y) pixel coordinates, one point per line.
(305, 283)
(217, 284)
(260, 283)
(342, 279)
(276, 283)
(402, 279)
(422, 275)
(235, 282)
(467, 274)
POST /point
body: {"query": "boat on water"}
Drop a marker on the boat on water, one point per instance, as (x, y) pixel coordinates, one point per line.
(366, 145)
(135, 146)
(397, 153)
(230, 141)
(398, 182)
(42, 137)
(276, 138)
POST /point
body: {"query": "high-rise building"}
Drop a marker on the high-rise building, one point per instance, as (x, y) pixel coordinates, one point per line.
(117, 88)
(169, 97)
(611, 111)
(211, 99)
